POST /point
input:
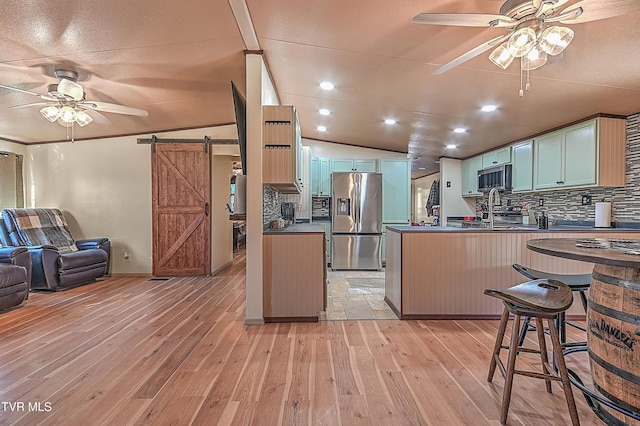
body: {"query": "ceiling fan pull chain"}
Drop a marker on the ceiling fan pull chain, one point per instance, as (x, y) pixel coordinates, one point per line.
(521, 91)
(527, 86)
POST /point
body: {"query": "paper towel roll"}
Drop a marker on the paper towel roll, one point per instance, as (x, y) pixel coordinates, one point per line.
(603, 215)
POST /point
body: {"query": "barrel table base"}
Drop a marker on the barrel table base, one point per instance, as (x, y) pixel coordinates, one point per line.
(614, 337)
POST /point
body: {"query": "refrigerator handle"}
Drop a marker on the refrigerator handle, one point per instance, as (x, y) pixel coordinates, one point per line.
(357, 202)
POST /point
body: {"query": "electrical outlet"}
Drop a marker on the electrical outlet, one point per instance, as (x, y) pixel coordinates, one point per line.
(541, 202)
(586, 200)
(127, 256)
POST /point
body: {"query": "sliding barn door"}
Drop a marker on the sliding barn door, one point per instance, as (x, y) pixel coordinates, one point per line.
(181, 223)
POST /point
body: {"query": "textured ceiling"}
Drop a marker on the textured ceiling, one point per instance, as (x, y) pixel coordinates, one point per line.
(176, 61)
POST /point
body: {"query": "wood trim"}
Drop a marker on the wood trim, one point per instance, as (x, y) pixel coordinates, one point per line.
(612, 133)
(290, 319)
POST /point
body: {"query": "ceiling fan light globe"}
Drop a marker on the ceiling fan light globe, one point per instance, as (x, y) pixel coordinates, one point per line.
(555, 39)
(82, 118)
(50, 112)
(501, 57)
(534, 59)
(64, 123)
(521, 42)
(67, 114)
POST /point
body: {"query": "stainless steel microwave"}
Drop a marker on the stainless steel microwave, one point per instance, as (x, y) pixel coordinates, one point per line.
(498, 177)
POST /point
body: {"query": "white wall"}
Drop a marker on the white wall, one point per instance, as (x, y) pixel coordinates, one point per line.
(103, 186)
(335, 150)
(451, 201)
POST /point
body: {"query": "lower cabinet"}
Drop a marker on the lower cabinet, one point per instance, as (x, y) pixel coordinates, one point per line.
(327, 234)
(294, 276)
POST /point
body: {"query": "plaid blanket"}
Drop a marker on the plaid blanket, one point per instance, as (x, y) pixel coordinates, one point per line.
(41, 226)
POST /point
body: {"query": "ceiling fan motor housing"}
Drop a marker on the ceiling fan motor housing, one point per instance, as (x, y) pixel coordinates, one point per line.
(66, 74)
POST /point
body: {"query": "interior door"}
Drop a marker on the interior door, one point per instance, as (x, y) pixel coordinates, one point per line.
(180, 208)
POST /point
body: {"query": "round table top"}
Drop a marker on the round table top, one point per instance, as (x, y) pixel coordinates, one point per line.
(607, 251)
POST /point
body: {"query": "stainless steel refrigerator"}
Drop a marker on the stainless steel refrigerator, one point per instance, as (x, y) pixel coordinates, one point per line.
(356, 221)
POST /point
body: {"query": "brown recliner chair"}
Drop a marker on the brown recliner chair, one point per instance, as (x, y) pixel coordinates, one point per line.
(58, 261)
(15, 272)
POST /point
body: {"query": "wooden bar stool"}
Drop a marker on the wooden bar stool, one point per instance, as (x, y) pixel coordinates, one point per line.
(538, 300)
(577, 282)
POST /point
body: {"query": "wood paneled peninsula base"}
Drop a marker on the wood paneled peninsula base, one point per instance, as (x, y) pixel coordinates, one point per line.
(441, 273)
(295, 273)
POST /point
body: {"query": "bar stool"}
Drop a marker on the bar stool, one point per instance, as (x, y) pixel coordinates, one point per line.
(576, 282)
(538, 299)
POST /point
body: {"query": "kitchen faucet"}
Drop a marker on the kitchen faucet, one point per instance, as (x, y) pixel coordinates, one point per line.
(494, 198)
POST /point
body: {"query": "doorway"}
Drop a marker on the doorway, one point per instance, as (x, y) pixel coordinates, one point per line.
(181, 188)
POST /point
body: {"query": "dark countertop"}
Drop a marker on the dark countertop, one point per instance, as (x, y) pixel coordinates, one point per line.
(519, 228)
(298, 228)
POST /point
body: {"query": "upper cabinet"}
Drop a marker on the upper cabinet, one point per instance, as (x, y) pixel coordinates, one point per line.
(282, 148)
(497, 157)
(587, 154)
(320, 177)
(347, 165)
(396, 190)
(522, 169)
(470, 168)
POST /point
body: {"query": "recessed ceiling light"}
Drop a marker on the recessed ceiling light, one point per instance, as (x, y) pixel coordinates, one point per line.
(389, 121)
(324, 111)
(451, 146)
(321, 128)
(459, 130)
(488, 108)
(326, 85)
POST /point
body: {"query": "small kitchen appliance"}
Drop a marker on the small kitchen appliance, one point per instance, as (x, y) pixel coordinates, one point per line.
(288, 212)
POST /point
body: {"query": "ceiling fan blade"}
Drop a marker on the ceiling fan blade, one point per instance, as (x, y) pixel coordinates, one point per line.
(594, 10)
(34, 104)
(97, 117)
(472, 53)
(39, 95)
(114, 108)
(464, 19)
(71, 89)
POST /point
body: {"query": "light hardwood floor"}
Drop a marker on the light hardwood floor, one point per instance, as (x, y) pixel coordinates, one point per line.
(138, 351)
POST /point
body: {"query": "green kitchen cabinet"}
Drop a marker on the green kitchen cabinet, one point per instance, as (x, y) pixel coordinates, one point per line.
(315, 176)
(522, 170)
(324, 179)
(320, 177)
(496, 157)
(347, 165)
(396, 190)
(567, 157)
(469, 183)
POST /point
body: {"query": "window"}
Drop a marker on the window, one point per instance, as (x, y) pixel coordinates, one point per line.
(11, 185)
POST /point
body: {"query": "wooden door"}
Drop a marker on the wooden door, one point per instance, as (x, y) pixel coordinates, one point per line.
(180, 208)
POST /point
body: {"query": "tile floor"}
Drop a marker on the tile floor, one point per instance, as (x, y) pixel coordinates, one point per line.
(356, 295)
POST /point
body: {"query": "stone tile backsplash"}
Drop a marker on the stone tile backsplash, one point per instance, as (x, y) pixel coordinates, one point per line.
(567, 205)
(271, 205)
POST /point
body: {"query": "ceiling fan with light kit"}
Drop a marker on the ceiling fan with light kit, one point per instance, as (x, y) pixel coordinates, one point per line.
(65, 102)
(533, 31)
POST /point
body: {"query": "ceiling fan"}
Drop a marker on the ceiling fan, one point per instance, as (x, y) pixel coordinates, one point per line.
(532, 30)
(66, 103)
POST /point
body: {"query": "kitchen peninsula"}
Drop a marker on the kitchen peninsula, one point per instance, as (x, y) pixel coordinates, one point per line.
(441, 272)
(295, 273)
